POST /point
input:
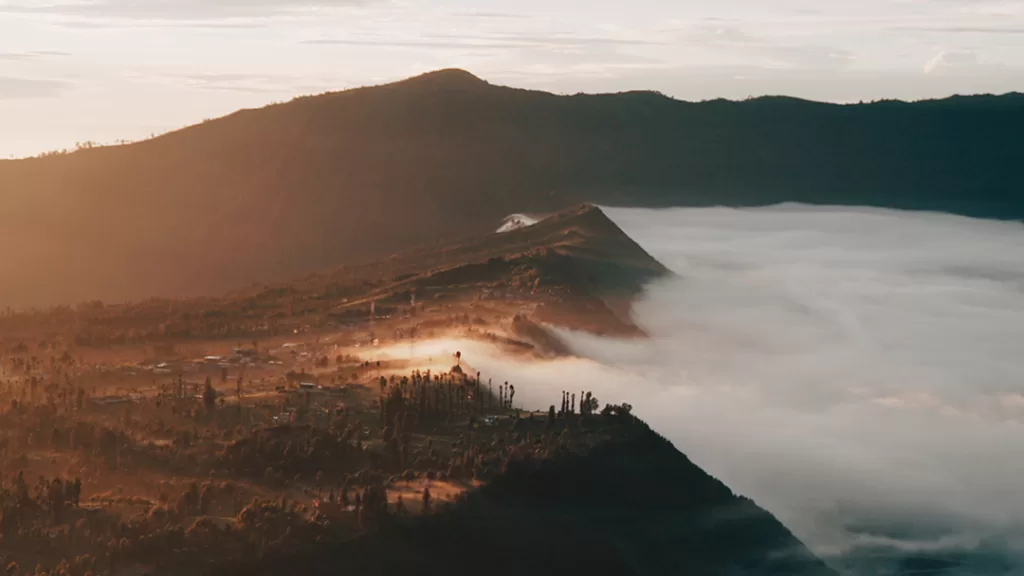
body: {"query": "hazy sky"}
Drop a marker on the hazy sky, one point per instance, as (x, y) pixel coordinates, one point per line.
(104, 70)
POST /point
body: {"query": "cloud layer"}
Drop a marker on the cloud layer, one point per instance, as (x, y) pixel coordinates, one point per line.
(171, 9)
(856, 372)
(839, 363)
(12, 88)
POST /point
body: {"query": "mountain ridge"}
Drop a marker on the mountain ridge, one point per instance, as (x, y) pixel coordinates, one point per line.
(575, 269)
(350, 177)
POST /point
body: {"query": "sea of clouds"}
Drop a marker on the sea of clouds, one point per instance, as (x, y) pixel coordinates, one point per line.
(857, 372)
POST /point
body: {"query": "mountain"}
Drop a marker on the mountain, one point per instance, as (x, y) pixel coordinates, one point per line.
(632, 505)
(577, 267)
(354, 176)
(582, 233)
(574, 269)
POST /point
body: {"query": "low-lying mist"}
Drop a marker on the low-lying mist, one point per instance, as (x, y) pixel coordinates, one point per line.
(859, 373)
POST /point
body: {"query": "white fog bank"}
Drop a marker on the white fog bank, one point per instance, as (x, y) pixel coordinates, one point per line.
(835, 365)
(837, 362)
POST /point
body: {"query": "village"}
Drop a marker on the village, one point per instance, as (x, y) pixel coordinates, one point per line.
(114, 460)
(176, 436)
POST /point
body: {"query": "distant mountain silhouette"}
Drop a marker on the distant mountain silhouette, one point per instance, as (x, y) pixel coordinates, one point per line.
(354, 176)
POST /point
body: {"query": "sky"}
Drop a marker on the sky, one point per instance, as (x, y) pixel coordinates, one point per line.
(842, 367)
(109, 70)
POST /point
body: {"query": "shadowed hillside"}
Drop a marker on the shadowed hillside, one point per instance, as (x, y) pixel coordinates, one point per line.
(352, 177)
(581, 233)
(632, 505)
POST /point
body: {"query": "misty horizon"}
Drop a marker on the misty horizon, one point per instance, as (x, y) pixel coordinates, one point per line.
(65, 76)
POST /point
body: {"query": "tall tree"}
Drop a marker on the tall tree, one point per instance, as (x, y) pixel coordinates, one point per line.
(209, 396)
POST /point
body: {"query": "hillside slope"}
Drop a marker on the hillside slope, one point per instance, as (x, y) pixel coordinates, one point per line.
(574, 269)
(632, 506)
(354, 176)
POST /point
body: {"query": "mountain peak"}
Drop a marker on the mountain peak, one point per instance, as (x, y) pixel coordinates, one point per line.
(446, 78)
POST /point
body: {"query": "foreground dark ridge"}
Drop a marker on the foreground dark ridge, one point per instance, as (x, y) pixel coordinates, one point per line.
(630, 505)
(354, 176)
